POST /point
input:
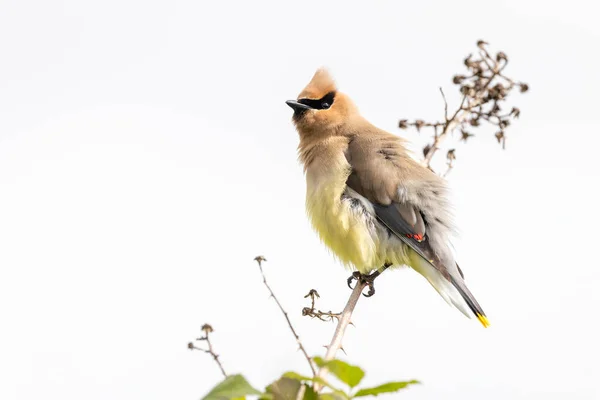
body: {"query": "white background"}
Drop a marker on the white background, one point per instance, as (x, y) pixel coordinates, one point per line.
(147, 155)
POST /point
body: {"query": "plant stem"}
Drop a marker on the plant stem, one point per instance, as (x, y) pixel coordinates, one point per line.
(259, 260)
(343, 321)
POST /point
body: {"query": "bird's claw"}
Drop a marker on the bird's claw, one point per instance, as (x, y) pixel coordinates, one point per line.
(355, 276)
(371, 287)
(364, 279)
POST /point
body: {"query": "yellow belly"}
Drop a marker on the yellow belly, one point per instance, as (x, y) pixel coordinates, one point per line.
(350, 232)
(344, 229)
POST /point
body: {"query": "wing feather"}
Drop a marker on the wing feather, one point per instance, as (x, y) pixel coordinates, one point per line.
(380, 167)
(408, 200)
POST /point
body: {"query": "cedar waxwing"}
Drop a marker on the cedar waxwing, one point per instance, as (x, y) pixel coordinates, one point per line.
(371, 203)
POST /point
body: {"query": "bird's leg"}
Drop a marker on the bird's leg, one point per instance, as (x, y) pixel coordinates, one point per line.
(367, 279)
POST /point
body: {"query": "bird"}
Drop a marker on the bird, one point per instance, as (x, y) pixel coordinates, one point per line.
(371, 203)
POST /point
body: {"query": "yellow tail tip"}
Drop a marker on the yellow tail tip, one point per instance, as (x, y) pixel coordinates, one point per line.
(483, 319)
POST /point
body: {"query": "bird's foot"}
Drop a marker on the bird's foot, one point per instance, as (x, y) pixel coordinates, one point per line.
(367, 280)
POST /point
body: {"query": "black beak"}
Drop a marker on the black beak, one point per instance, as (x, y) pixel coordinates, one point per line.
(298, 107)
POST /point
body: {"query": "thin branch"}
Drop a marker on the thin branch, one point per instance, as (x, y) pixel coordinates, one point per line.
(259, 260)
(343, 321)
(207, 329)
(322, 315)
(450, 166)
(445, 105)
(485, 56)
(461, 114)
(449, 126)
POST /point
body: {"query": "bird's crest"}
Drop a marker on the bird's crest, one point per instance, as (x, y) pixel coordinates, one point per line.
(320, 84)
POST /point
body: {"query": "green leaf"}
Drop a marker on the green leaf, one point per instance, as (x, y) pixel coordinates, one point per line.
(234, 386)
(298, 377)
(349, 374)
(303, 378)
(389, 387)
(284, 389)
(310, 393)
(333, 396)
(339, 394)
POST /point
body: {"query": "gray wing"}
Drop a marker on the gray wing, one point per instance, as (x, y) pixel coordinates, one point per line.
(380, 168)
(391, 217)
(380, 165)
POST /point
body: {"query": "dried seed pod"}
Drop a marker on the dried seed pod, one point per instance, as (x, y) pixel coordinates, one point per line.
(458, 79)
(464, 135)
(499, 136)
(451, 156)
(426, 150)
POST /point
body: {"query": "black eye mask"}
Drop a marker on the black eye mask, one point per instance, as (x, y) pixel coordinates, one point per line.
(321, 104)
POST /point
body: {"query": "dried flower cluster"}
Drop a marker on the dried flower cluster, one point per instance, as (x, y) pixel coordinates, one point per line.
(484, 90)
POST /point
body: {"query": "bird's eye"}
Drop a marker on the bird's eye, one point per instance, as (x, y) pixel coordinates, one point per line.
(325, 105)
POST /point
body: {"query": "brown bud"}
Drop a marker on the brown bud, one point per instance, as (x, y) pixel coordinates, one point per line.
(207, 328)
(474, 121)
(497, 92)
(191, 346)
(468, 60)
(481, 44)
(467, 90)
(501, 56)
(515, 112)
(464, 135)
(403, 124)
(457, 80)
(419, 124)
(260, 259)
(426, 150)
(524, 87)
(499, 136)
(450, 155)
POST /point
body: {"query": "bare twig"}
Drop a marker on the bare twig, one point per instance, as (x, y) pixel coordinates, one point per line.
(343, 321)
(314, 313)
(207, 329)
(450, 157)
(259, 260)
(445, 105)
(450, 166)
(448, 127)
